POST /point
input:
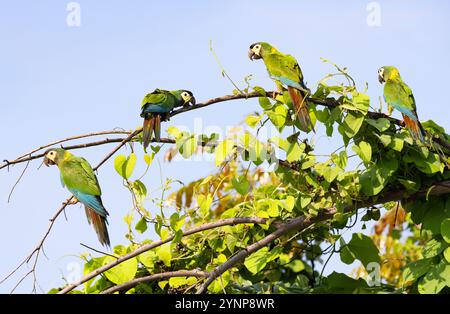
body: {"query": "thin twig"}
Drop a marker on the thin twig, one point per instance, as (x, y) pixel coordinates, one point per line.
(18, 180)
(97, 251)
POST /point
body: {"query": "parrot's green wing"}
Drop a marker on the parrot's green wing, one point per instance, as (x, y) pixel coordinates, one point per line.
(77, 174)
(279, 65)
(400, 96)
(154, 98)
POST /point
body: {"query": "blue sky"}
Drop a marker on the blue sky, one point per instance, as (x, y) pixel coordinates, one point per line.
(57, 81)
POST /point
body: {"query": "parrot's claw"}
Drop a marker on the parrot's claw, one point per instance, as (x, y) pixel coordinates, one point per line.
(73, 201)
(275, 94)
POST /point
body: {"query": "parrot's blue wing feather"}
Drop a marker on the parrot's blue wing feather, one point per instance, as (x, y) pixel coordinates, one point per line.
(288, 82)
(154, 108)
(404, 110)
(92, 201)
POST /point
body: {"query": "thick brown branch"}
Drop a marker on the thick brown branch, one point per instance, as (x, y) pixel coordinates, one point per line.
(133, 283)
(149, 246)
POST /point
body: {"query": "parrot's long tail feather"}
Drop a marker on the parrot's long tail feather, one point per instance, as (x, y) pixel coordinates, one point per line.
(99, 222)
(301, 109)
(415, 128)
(157, 127)
(147, 130)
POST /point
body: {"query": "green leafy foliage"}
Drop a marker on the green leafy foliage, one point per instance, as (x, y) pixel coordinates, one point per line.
(284, 179)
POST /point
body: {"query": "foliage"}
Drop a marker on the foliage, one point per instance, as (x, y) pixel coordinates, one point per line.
(281, 179)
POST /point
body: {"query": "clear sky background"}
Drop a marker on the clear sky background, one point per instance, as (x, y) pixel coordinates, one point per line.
(57, 81)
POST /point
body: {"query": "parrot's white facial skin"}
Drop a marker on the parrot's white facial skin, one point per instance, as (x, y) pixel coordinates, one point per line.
(186, 96)
(257, 50)
(381, 75)
(51, 155)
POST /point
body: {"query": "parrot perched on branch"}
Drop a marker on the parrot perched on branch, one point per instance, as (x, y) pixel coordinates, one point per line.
(157, 106)
(399, 96)
(79, 178)
(285, 71)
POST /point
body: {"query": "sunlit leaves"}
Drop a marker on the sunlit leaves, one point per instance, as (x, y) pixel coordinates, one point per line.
(364, 151)
(123, 272)
(125, 165)
(223, 150)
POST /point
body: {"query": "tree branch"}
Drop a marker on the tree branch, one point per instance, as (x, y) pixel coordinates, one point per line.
(301, 223)
(149, 246)
(132, 283)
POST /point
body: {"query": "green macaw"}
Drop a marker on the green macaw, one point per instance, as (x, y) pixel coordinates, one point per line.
(156, 107)
(399, 96)
(285, 71)
(78, 177)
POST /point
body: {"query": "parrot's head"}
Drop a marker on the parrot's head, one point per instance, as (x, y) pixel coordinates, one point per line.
(387, 73)
(257, 50)
(53, 156)
(187, 97)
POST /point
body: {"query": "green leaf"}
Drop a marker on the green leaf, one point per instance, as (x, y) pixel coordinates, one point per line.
(447, 254)
(435, 280)
(141, 225)
(188, 146)
(433, 248)
(363, 249)
(305, 200)
(373, 180)
(416, 269)
(294, 152)
(296, 266)
(346, 255)
(241, 184)
(164, 253)
(445, 230)
(119, 161)
(177, 282)
(140, 190)
(351, 124)
(148, 159)
(341, 283)
(223, 150)
(175, 132)
(148, 259)
(265, 103)
(381, 124)
(121, 273)
(260, 90)
(288, 203)
(125, 166)
(252, 121)
(277, 115)
(361, 102)
(259, 259)
(204, 202)
(328, 172)
(177, 222)
(364, 151)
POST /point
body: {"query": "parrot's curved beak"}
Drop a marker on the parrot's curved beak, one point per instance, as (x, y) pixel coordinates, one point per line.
(192, 101)
(251, 54)
(48, 162)
(381, 79)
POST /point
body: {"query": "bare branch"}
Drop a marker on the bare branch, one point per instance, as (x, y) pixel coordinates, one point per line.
(132, 283)
(23, 157)
(37, 250)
